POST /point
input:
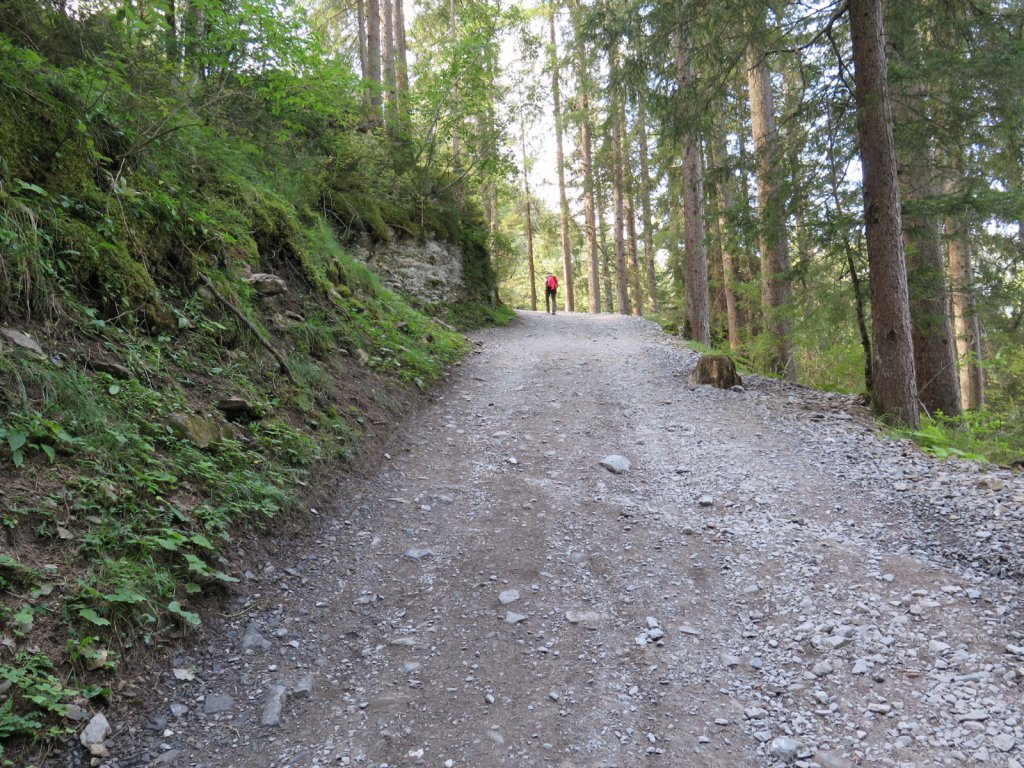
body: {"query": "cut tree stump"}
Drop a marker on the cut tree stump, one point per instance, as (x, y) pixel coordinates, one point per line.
(718, 371)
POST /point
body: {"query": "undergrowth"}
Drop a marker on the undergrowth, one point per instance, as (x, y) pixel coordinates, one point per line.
(130, 218)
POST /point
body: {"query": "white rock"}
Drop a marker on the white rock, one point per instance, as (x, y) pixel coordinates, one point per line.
(615, 464)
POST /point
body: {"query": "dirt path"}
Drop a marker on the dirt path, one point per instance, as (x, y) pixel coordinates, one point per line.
(771, 582)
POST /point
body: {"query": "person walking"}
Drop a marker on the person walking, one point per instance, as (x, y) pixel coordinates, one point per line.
(550, 293)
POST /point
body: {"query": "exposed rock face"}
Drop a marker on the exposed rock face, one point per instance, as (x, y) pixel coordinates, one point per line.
(718, 371)
(430, 271)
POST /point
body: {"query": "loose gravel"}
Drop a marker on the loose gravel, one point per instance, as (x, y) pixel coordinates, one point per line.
(577, 558)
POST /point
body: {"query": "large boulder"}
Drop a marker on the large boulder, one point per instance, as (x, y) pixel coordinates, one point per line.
(718, 371)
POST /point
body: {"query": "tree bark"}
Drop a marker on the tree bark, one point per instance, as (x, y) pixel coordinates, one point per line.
(363, 44)
(529, 219)
(602, 236)
(373, 59)
(938, 383)
(570, 299)
(698, 312)
(967, 329)
(645, 206)
(401, 53)
(618, 186)
(387, 35)
(632, 251)
(586, 153)
(725, 199)
(894, 389)
(776, 289)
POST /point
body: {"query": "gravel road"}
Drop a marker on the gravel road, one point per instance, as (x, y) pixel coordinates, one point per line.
(771, 582)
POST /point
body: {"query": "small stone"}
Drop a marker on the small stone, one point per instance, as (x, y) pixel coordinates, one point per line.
(273, 704)
(861, 667)
(831, 760)
(879, 709)
(304, 688)
(755, 713)
(23, 340)
(706, 501)
(514, 618)
(508, 596)
(95, 732)
(489, 698)
(784, 749)
(418, 554)
(822, 668)
(252, 640)
(583, 617)
(215, 703)
(974, 716)
(729, 660)
(616, 464)
(1004, 742)
(266, 284)
(554, 696)
(937, 647)
(179, 710)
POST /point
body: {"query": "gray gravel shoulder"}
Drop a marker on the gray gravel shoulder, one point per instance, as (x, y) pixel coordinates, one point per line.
(770, 582)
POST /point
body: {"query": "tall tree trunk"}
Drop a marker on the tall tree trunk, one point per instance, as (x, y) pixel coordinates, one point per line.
(632, 251)
(725, 199)
(938, 383)
(589, 214)
(653, 304)
(892, 369)
(602, 235)
(387, 36)
(618, 184)
(698, 311)
(529, 218)
(373, 59)
(570, 299)
(965, 313)
(363, 43)
(775, 283)
(171, 41)
(401, 55)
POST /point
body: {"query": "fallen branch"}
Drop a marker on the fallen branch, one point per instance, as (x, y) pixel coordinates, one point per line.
(248, 324)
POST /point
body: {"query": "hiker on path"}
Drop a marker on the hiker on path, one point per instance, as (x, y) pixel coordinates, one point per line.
(550, 293)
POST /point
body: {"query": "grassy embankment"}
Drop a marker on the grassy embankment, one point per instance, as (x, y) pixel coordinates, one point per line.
(130, 216)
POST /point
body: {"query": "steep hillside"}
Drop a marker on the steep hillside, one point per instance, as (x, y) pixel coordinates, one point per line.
(187, 344)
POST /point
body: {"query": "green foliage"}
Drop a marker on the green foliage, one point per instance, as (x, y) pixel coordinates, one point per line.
(471, 316)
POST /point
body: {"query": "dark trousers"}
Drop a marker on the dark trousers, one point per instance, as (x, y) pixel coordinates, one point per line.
(550, 300)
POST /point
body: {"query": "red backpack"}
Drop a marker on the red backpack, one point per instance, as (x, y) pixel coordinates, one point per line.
(552, 282)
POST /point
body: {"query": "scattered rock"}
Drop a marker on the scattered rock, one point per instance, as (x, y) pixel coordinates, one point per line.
(23, 340)
(116, 370)
(616, 464)
(215, 703)
(252, 640)
(508, 596)
(784, 749)
(273, 704)
(267, 285)
(238, 409)
(95, 733)
(199, 431)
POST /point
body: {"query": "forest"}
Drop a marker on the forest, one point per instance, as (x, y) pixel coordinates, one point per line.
(829, 192)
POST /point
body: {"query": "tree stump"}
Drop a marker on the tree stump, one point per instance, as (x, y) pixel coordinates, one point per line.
(718, 371)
